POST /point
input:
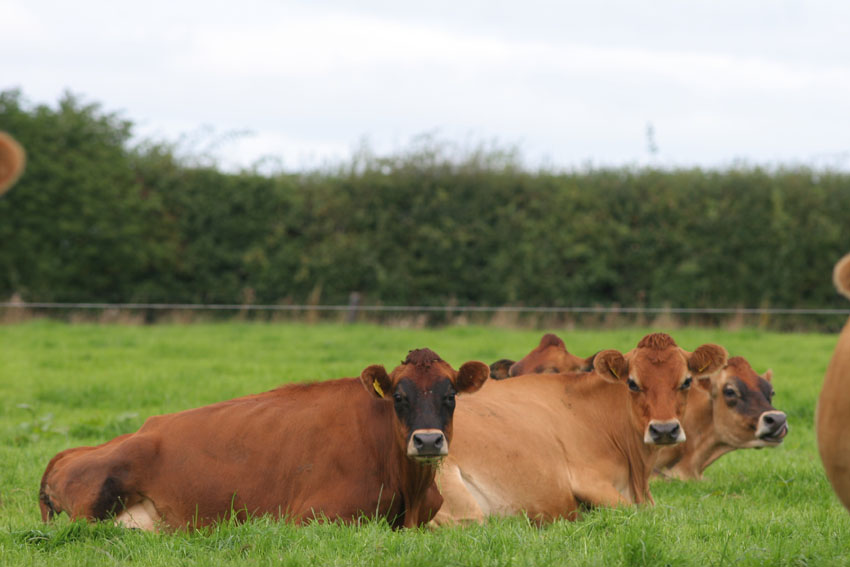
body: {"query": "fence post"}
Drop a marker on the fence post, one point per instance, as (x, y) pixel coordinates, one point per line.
(353, 305)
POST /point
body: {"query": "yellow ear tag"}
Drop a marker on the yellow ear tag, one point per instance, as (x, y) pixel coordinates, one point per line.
(614, 372)
(377, 388)
(704, 366)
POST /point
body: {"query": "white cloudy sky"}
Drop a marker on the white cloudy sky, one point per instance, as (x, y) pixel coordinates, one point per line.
(570, 83)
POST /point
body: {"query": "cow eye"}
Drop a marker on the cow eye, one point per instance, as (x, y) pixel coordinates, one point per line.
(686, 384)
(398, 398)
(729, 392)
(633, 386)
(449, 400)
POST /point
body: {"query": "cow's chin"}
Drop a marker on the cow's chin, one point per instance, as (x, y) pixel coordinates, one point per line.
(774, 438)
(429, 460)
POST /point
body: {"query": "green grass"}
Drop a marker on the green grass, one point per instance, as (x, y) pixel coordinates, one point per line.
(68, 385)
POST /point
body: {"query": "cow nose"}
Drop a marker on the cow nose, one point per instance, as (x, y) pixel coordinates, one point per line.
(773, 424)
(665, 432)
(428, 443)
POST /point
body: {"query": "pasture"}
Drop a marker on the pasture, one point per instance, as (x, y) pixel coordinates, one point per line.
(68, 385)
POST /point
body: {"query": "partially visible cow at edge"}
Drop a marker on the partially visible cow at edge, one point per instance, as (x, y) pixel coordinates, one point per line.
(550, 356)
(545, 444)
(335, 450)
(12, 160)
(730, 410)
(832, 419)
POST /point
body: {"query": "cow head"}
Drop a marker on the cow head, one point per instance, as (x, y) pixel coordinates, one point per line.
(550, 356)
(422, 390)
(742, 410)
(659, 375)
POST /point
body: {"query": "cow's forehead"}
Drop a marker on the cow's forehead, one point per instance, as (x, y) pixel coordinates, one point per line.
(423, 376)
(740, 368)
(657, 364)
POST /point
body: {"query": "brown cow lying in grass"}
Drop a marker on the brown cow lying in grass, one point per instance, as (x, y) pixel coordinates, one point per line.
(544, 444)
(12, 159)
(833, 413)
(730, 410)
(337, 450)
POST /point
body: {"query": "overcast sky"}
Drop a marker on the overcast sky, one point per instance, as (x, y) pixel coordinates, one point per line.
(569, 83)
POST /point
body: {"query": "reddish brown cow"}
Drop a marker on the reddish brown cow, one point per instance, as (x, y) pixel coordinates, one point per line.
(833, 413)
(730, 410)
(545, 443)
(550, 356)
(12, 159)
(336, 450)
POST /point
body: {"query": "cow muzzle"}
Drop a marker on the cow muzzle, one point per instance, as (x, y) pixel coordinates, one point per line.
(427, 444)
(772, 427)
(664, 432)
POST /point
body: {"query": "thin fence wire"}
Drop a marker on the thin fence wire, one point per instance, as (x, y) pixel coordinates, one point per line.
(431, 308)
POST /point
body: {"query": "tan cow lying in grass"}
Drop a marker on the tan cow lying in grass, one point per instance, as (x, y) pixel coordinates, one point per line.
(730, 410)
(833, 413)
(339, 450)
(12, 160)
(545, 444)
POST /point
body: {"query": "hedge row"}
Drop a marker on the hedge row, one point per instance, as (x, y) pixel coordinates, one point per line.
(97, 219)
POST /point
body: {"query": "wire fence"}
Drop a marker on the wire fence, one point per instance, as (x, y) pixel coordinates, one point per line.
(428, 308)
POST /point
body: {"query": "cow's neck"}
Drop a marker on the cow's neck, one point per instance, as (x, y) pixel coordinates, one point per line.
(703, 446)
(642, 457)
(420, 497)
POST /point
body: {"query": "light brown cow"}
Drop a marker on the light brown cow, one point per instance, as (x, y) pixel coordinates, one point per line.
(730, 410)
(332, 450)
(833, 412)
(550, 356)
(12, 160)
(546, 443)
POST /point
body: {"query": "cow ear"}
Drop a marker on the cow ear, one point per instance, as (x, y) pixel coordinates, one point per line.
(471, 376)
(768, 375)
(611, 365)
(707, 359)
(376, 380)
(501, 369)
(841, 276)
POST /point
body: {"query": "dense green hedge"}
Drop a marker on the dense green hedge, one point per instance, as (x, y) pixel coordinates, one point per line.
(96, 219)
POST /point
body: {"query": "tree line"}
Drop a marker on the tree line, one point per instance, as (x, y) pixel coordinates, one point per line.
(98, 218)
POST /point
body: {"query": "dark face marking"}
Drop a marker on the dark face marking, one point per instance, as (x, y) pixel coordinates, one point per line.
(745, 400)
(418, 408)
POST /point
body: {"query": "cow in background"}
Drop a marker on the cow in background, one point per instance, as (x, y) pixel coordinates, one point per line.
(729, 410)
(832, 418)
(550, 356)
(335, 450)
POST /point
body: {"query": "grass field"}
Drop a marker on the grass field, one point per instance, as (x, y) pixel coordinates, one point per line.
(68, 385)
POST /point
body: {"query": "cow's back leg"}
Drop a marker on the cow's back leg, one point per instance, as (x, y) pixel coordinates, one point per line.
(96, 482)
